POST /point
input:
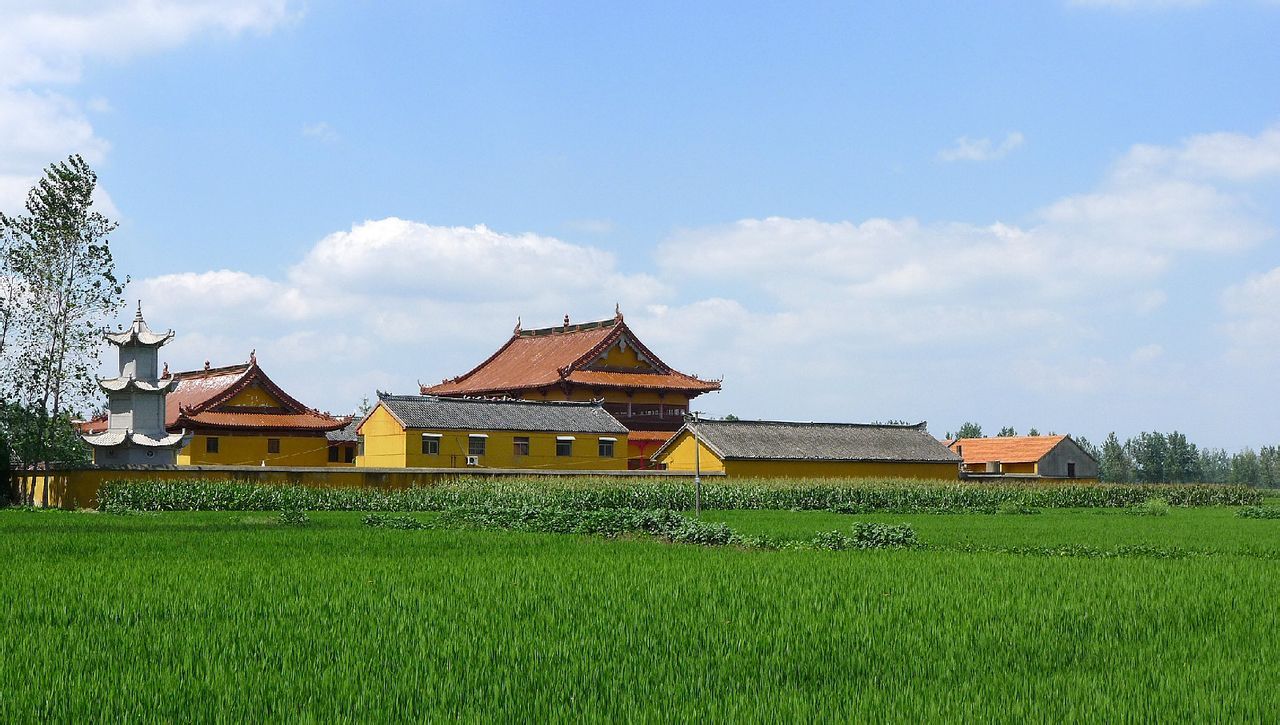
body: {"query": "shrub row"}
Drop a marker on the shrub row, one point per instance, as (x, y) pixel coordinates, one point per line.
(1259, 512)
(662, 523)
(845, 496)
(868, 536)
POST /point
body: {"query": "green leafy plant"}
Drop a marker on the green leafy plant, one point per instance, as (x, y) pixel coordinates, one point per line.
(294, 517)
(1259, 512)
(1150, 507)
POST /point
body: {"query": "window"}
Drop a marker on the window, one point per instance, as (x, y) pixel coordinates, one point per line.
(348, 454)
(273, 445)
(564, 445)
(430, 444)
(1071, 469)
(360, 444)
(333, 452)
(475, 445)
(521, 447)
(211, 445)
(606, 447)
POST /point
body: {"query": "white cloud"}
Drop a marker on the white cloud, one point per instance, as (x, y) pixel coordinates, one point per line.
(1253, 325)
(981, 149)
(320, 131)
(399, 298)
(46, 43)
(1138, 4)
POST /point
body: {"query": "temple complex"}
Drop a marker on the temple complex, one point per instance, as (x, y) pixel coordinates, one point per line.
(588, 361)
(237, 416)
(133, 432)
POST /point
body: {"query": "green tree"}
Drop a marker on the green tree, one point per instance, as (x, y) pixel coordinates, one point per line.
(1181, 459)
(1007, 432)
(63, 290)
(731, 417)
(968, 430)
(1215, 465)
(1148, 451)
(1088, 447)
(1033, 432)
(1245, 468)
(1115, 463)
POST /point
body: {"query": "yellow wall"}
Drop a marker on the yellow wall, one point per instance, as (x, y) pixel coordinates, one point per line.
(616, 357)
(251, 450)
(679, 457)
(385, 442)
(253, 397)
(841, 469)
(387, 445)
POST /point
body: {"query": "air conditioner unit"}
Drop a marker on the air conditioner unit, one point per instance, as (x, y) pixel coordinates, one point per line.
(473, 460)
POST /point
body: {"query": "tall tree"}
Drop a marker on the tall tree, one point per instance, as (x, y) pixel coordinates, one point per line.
(1148, 451)
(1245, 468)
(64, 290)
(969, 430)
(1007, 432)
(1181, 459)
(1115, 463)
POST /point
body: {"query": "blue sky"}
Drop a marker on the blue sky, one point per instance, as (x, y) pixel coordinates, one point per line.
(1047, 214)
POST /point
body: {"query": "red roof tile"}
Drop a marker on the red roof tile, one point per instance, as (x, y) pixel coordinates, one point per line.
(534, 359)
(1008, 449)
(197, 402)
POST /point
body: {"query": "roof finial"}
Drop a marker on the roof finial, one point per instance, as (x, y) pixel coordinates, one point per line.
(617, 310)
(206, 364)
(138, 317)
(566, 321)
(517, 330)
(253, 356)
(165, 375)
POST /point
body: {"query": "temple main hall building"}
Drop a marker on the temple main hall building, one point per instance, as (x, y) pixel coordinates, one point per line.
(588, 361)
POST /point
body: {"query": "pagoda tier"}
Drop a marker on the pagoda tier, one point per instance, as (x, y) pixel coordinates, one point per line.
(135, 431)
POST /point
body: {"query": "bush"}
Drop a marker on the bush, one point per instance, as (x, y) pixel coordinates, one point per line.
(591, 493)
(389, 521)
(1150, 507)
(884, 536)
(293, 517)
(1259, 512)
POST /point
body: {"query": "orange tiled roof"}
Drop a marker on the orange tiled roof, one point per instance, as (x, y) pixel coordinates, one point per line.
(649, 436)
(1009, 449)
(542, 358)
(197, 401)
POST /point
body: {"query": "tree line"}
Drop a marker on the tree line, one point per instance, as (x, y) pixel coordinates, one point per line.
(58, 290)
(1157, 457)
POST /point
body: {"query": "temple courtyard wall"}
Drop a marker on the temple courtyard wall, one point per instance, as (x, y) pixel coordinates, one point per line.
(77, 488)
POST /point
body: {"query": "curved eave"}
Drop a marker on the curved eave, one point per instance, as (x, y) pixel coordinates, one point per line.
(113, 438)
(145, 338)
(115, 385)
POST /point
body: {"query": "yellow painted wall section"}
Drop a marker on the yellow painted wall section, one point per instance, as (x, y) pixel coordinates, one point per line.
(841, 469)
(679, 457)
(251, 450)
(499, 450)
(1020, 468)
(616, 357)
(253, 397)
(385, 442)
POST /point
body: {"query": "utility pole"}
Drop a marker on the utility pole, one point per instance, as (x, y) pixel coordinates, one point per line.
(697, 466)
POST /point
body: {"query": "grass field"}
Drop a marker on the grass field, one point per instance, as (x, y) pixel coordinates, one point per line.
(233, 616)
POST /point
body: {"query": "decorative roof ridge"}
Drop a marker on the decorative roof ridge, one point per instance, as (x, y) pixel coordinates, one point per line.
(211, 372)
(568, 329)
(426, 397)
(1057, 436)
(922, 425)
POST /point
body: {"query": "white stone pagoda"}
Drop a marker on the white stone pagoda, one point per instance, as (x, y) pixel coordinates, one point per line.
(136, 433)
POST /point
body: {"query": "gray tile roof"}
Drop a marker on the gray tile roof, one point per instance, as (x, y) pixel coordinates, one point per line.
(783, 441)
(429, 411)
(346, 433)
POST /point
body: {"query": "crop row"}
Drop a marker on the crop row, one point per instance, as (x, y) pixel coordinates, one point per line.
(846, 496)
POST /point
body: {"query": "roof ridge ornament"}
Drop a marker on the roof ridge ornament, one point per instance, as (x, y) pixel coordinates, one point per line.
(617, 311)
(517, 330)
(138, 316)
(253, 356)
(566, 322)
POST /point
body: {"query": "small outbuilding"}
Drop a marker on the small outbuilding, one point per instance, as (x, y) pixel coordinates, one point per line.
(428, 431)
(1056, 456)
(766, 448)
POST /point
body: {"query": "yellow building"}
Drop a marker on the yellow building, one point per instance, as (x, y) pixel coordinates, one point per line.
(601, 360)
(240, 417)
(426, 431)
(762, 448)
(1055, 456)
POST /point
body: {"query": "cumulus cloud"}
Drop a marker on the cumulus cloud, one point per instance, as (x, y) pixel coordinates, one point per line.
(44, 45)
(423, 299)
(981, 149)
(1253, 325)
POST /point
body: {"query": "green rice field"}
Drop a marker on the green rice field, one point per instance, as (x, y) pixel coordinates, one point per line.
(1069, 614)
